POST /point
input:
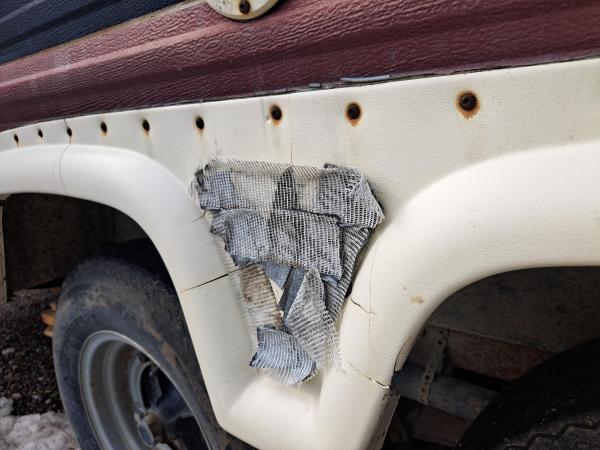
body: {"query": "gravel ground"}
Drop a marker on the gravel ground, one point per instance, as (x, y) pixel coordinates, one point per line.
(27, 372)
(31, 415)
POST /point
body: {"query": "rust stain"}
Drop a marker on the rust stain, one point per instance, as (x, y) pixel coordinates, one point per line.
(200, 124)
(468, 104)
(257, 291)
(353, 113)
(417, 299)
(146, 127)
(491, 357)
(276, 114)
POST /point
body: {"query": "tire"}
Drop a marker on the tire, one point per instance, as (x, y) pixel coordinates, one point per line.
(556, 406)
(118, 320)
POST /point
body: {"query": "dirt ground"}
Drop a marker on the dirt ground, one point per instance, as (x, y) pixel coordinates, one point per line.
(26, 369)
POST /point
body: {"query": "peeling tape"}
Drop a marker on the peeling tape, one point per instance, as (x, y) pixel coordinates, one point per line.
(302, 229)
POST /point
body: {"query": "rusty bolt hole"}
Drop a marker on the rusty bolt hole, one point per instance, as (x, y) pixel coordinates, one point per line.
(16, 138)
(104, 128)
(353, 112)
(200, 123)
(276, 113)
(146, 126)
(244, 6)
(468, 101)
(468, 104)
(40, 133)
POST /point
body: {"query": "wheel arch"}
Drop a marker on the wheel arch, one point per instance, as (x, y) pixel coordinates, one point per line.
(129, 182)
(539, 208)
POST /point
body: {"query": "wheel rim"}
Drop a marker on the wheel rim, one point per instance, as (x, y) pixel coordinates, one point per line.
(131, 402)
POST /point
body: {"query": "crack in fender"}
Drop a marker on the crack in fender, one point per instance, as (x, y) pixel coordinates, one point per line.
(371, 379)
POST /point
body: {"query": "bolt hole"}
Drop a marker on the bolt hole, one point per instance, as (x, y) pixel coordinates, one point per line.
(40, 133)
(468, 101)
(244, 6)
(146, 125)
(276, 113)
(69, 131)
(200, 123)
(103, 127)
(353, 112)
(16, 138)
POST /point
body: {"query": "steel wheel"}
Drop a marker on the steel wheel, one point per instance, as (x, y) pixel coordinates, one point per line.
(131, 403)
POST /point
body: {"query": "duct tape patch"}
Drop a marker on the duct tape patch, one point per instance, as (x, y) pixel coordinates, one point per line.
(294, 234)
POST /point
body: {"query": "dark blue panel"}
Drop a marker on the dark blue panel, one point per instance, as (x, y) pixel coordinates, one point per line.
(29, 26)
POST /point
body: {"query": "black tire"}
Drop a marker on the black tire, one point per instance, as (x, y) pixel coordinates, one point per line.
(126, 290)
(556, 406)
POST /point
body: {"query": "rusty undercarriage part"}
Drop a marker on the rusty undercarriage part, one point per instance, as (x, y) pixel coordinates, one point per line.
(299, 229)
(447, 394)
(493, 332)
(482, 355)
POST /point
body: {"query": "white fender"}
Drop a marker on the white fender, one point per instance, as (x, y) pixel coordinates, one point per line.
(538, 208)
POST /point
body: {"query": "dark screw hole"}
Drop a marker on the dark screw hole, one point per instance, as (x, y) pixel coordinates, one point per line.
(353, 111)
(146, 125)
(16, 138)
(468, 101)
(69, 131)
(200, 123)
(103, 127)
(40, 133)
(276, 113)
(244, 6)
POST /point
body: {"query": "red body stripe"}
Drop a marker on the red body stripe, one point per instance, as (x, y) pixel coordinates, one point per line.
(192, 53)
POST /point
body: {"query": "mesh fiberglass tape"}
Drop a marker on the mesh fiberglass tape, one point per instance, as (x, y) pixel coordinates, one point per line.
(300, 228)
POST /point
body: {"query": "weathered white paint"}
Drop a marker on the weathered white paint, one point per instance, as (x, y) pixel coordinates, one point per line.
(515, 186)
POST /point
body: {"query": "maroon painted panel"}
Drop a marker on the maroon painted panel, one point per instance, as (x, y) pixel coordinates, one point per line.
(189, 54)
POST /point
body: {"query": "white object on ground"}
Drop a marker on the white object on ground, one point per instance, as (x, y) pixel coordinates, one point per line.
(48, 431)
